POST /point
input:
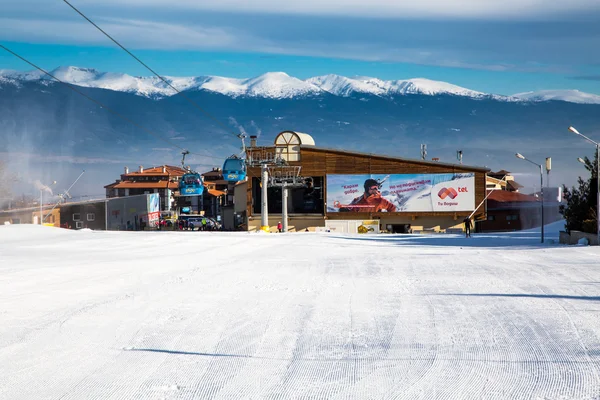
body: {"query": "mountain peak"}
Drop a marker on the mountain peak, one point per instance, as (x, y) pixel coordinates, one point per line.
(431, 87)
(571, 96)
(279, 85)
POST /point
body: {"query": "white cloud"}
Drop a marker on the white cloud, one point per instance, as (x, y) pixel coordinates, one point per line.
(137, 33)
(458, 44)
(60, 158)
(494, 9)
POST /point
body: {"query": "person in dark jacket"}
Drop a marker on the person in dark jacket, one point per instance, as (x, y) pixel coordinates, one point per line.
(468, 226)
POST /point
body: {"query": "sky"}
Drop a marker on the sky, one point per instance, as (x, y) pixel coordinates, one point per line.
(506, 47)
(188, 315)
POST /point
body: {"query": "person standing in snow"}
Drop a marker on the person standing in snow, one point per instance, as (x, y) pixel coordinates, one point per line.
(468, 226)
(279, 227)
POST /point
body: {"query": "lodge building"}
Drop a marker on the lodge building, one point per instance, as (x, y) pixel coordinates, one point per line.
(426, 195)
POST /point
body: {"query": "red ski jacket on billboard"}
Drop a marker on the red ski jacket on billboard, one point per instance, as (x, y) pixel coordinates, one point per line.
(372, 204)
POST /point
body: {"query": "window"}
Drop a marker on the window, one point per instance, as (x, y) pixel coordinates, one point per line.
(79, 224)
(491, 218)
(91, 217)
(512, 217)
(76, 217)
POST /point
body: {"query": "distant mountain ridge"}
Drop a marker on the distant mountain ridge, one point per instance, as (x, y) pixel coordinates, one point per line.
(279, 85)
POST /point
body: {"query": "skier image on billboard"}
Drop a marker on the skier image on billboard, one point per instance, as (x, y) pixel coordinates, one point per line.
(371, 200)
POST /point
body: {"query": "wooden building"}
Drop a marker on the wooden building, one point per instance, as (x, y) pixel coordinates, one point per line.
(314, 206)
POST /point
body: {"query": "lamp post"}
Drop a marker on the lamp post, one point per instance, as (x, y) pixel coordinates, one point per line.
(42, 201)
(518, 155)
(575, 131)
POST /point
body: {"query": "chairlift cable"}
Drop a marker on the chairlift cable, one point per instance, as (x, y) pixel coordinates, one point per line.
(151, 70)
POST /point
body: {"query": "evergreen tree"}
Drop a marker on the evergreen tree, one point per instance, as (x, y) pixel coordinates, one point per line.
(580, 210)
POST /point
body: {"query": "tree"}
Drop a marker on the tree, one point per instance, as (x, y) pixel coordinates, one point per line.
(580, 210)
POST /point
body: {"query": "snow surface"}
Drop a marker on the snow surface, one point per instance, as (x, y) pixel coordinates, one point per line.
(278, 85)
(189, 315)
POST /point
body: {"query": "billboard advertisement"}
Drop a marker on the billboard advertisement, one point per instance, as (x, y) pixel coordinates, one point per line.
(153, 209)
(401, 192)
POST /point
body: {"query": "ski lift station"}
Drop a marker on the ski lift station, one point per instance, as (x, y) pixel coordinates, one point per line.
(347, 191)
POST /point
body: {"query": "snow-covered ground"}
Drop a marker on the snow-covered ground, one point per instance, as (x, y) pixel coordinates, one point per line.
(188, 315)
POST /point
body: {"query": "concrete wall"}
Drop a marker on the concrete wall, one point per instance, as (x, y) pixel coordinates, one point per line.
(312, 222)
(295, 223)
(90, 215)
(425, 223)
(125, 213)
(574, 237)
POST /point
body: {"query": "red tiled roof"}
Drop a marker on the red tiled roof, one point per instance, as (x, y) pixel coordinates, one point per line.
(505, 196)
(213, 174)
(158, 171)
(143, 185)
(170, 171)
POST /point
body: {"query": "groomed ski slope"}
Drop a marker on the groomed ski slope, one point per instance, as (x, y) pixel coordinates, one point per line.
(202, 315)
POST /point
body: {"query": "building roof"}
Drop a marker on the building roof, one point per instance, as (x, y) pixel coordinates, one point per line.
(170, 170)
(214, 174)
(293, 137)
(505, 196)
(215, 192)
(410, 160)
(143, 185)
(513, 185)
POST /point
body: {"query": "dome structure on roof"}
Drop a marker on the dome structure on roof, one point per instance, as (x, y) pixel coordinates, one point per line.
(287, 144)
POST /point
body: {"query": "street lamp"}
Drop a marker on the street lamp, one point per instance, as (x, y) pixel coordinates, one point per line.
(42, 201)
(518, 155)
(575, 131)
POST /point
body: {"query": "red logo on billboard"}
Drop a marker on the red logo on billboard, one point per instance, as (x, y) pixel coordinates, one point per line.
(447, 192)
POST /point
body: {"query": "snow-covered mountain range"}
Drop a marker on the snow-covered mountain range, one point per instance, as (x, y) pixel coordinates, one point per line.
(279, 85)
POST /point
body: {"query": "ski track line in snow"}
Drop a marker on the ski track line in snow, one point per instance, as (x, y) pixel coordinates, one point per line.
(76, 312)
(149, 386)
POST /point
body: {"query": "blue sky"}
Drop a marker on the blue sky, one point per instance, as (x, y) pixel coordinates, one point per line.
(498, 47)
